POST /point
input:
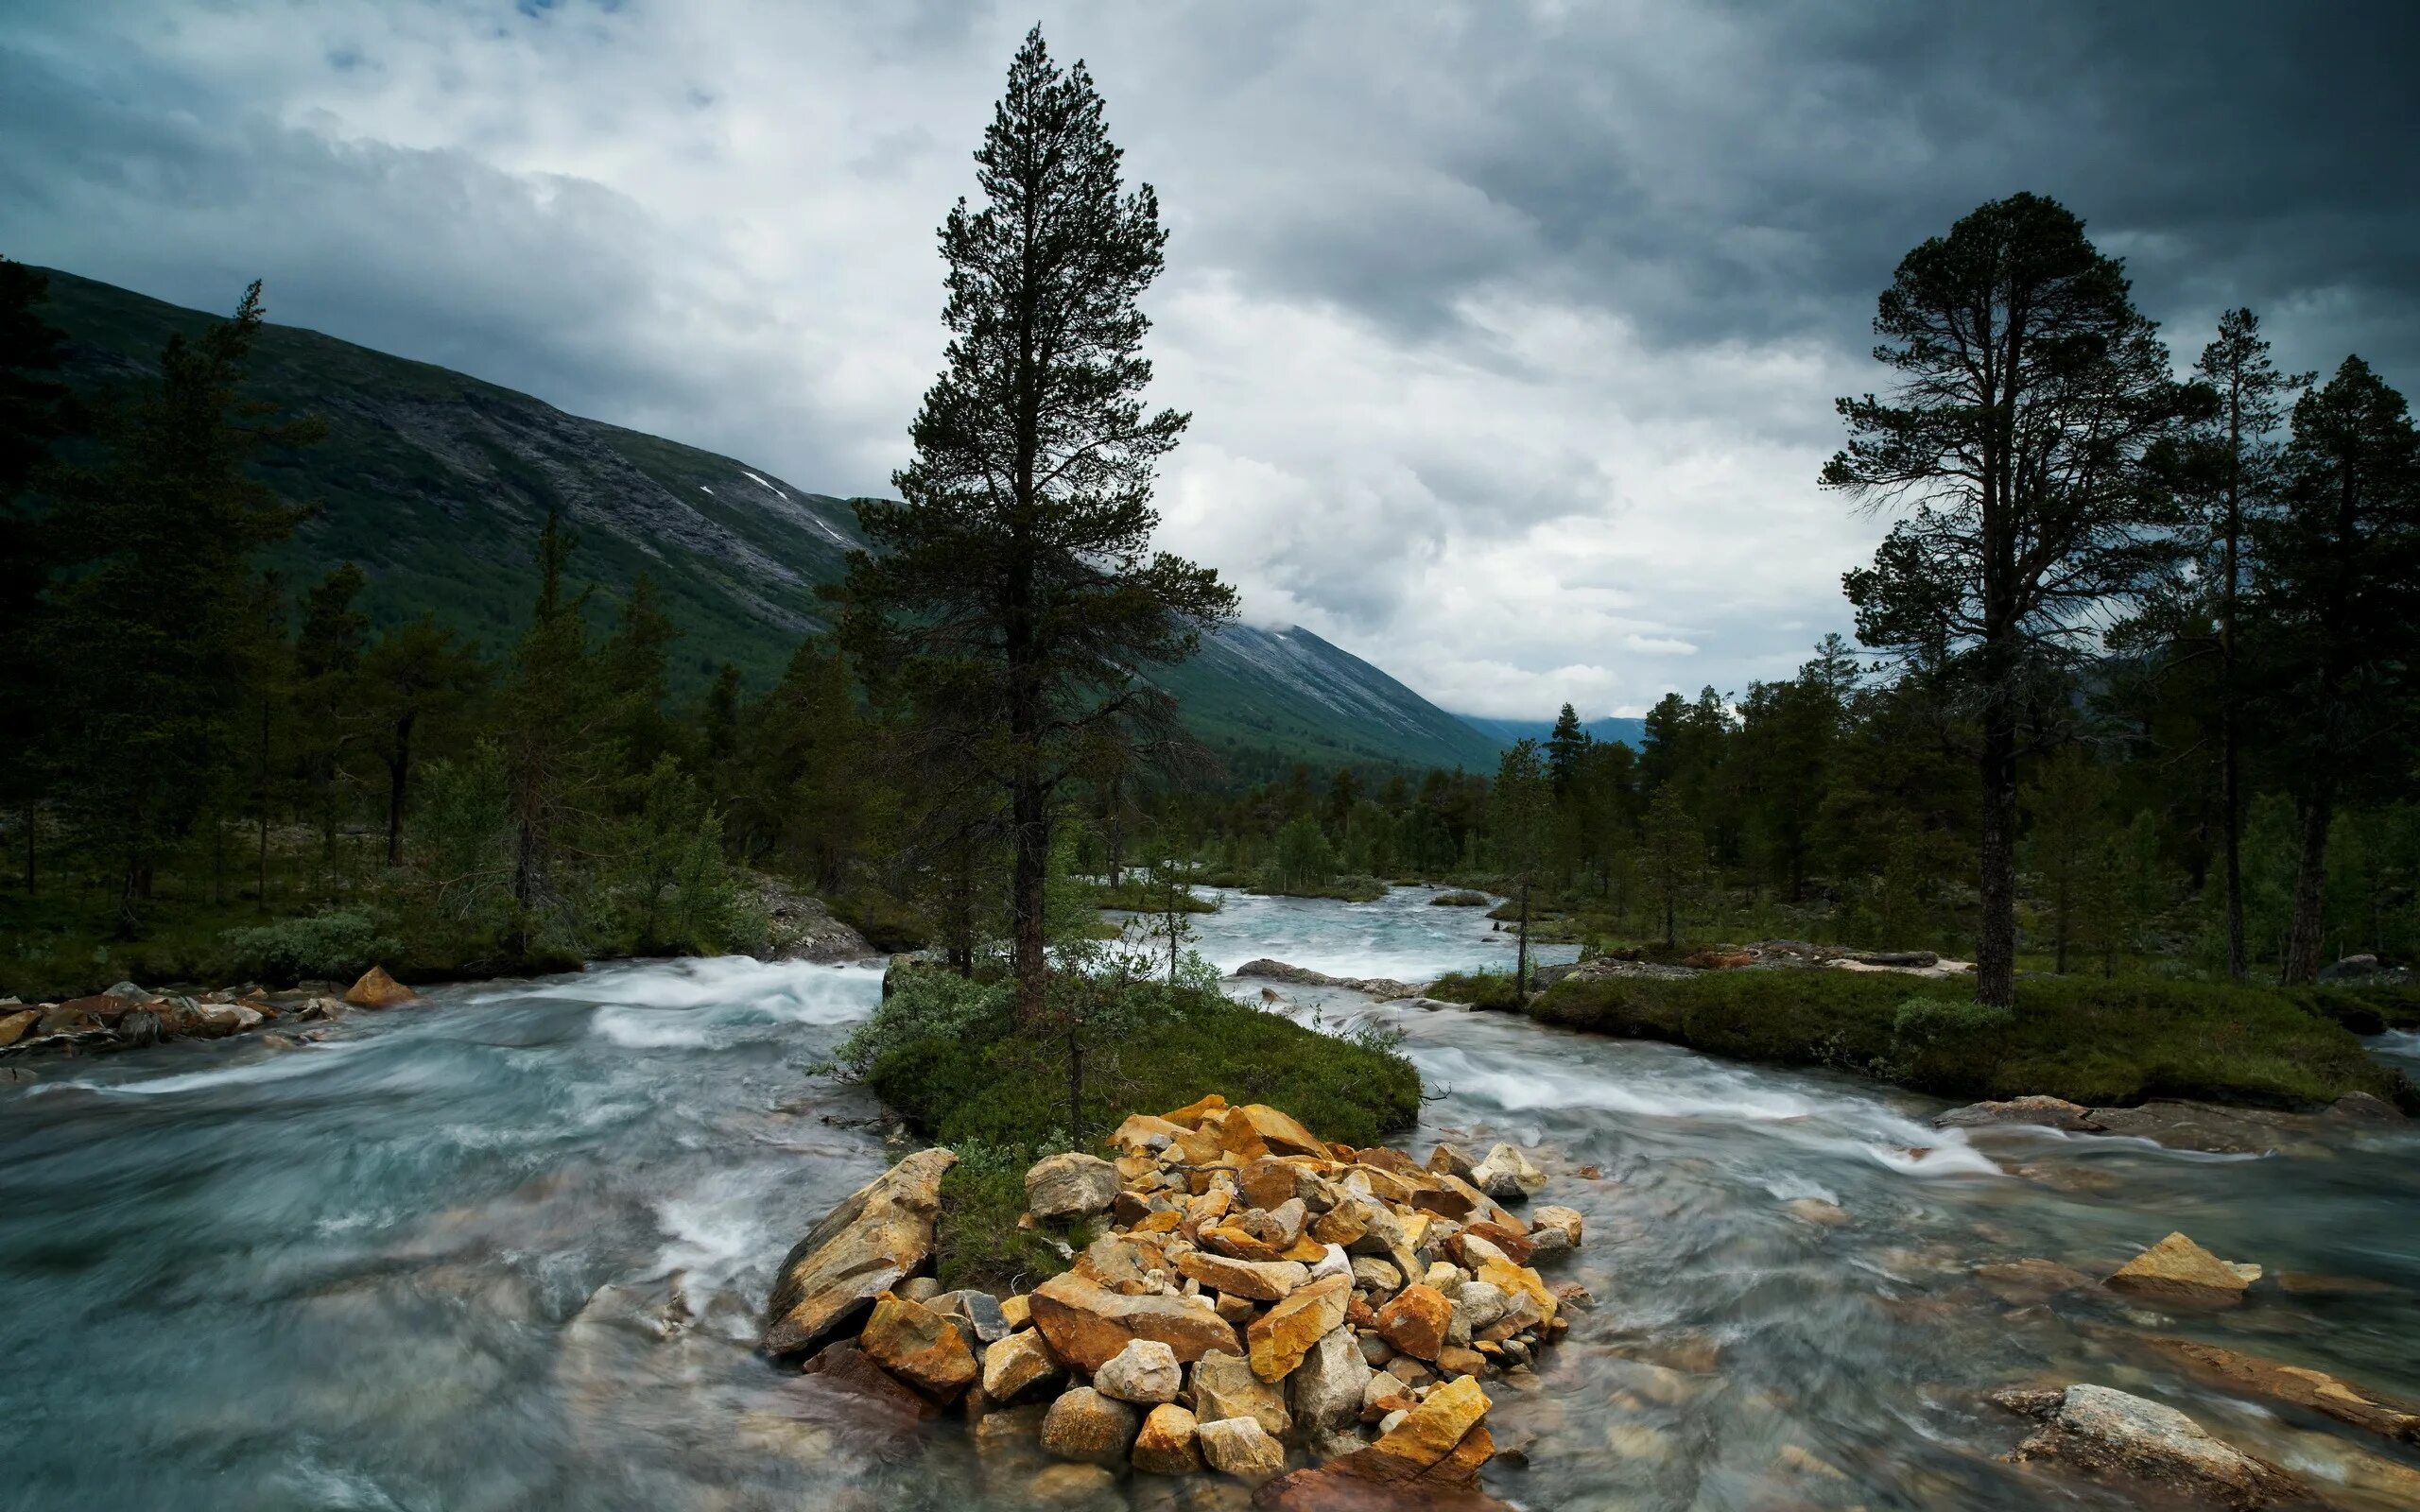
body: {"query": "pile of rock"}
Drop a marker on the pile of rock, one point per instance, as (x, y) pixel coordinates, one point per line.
(127, 1017)
(1265, 1301)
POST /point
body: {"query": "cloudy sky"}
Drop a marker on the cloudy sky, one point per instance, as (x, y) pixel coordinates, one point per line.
(1510, 330)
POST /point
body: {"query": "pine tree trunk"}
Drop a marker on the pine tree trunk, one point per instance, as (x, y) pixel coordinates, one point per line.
(1996, 948)
(2230, 747)
(29, 848)
(2303, 936)
(399, 764)
(1521, 955)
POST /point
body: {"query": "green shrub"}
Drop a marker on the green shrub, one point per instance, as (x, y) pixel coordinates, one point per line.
(976, 1241)
(1481, 989)
(956, 1063)
(2090, 1039)
(326, 947)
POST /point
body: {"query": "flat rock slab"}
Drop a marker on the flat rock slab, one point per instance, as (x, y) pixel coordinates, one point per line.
(2112, 1436)
(869, 1244)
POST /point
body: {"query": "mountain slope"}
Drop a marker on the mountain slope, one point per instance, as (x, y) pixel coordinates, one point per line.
(1502, 732)
(436, 483)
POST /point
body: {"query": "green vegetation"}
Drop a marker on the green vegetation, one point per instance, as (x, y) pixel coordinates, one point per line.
(2096, 1041)
(950, 1054)
(1137, 893)
(1458, 899)
(978, 1240)
(1481, 989)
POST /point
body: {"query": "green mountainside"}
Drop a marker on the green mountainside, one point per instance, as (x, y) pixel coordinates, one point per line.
(435, 484)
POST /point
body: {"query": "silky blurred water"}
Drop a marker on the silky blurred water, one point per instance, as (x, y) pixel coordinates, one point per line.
(507, 1251)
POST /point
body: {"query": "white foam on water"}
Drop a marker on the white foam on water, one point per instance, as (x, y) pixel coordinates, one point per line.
(283, 1066)
(1790, 1187)
(653, 1029)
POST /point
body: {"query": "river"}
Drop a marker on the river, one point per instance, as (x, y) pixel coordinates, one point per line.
(507, 1252)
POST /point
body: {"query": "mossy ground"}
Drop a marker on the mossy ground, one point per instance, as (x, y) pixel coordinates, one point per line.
(1481, 989)
(2103, 1041)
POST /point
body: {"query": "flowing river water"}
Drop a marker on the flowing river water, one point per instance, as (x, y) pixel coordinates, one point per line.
(507, 1252)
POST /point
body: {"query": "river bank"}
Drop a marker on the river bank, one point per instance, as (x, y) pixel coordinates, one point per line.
(514, 1251)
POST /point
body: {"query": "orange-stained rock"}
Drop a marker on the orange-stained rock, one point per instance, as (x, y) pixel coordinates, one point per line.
(2297, 1385)
(843, 1368)
(13, 1025)
(1269, 1181)
(1191, 1114)
(1430, 1439)
(1017, 1366)
(1238, 1139)
(1141, 1131)
(1239, 1242)
(1307, 1251)
(1164, 1222)
(1416, 1320)
(1261, 1280)
(1169, 1443)
(1086, 1323)
(1281, 1337)
(2180, 1271)
(876, 1239)
(376, 989)
(1518, 1281)
(1516, 1246)
(1224, 1386)
(1017, 1311)
(1091, 1429)
(1278, 1130)
(918, 1345)
(1343, 1224)
(1329, 1488)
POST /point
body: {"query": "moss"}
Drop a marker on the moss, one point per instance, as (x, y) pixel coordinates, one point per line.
(1481, 989)
(1348, 889)
(995, 1083)
(1459, 899)
(976, 1241)
(2091, 1041)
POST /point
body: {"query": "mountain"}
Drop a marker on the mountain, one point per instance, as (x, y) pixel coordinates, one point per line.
(1504, 733)
(435, 484)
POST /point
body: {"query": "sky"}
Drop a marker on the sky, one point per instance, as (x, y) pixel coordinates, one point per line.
(1510, 329)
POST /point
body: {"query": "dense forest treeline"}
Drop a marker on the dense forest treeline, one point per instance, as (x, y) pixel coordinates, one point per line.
(2164, 677)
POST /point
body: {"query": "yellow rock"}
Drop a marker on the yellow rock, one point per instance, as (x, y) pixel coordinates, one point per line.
(1086, 1323)
(1191, 1114)
(2178, 1270)
(1169, 1443)
(1280, 1337)
(1017, 1310)
(1520, 1280)
(376, 989)
(1260, 1281)
(1279, 1131)
(1429, 1436)
(918, 1345)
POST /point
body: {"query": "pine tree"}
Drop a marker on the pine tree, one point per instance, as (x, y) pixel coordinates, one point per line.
(417, 674)
(2031, 391)
(34, 413)
(150, 633)
(2338, 581)
(1013, 589)
(328, 648)
(1566, 746)
(1523, 801)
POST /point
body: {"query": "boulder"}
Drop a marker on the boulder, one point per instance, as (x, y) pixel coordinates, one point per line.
(376, 989)
(1327, 1388)
(1226, 1386)
(1280, 1337)
(2027, 1281)
(1816, 1211)
(976, 1313)
(1073, 1185)
(1087, 1324)
(13, 1025)
(1241, 1448)
(2112, 1436)
(876, 1239)
(1144, 1372)
(2296, 1385)
(1451, 1159)
(918, 1345)
(893, 1406)
(2050, 1112)
(1169, 1443)
(1141, 1131)
(1263, 1281)
(1017, 1366)
(1415, 1322)
(1279, 1131)
(2179, 1272)
(1443, 1440)
(1553, 1228)
(1091, 1429)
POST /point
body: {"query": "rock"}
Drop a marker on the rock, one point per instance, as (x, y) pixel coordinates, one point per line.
(1241, 1448)
(1091, 1429)
(2314, 1283)
(844, 1369)
(1224, 1385)
(1478, 1305)
(1508, 1174)
(1441, 1441)
(1817, 1210)
(2110, 1436)
(2027, 1281)
(1141, 1131)
(2297, 1386)
(918, 1345)
(1073, 1185)
(2362, 1108)
(1553, 1228)
(878, 1238)
(1330, 1489)
(2050, 1112)
(1415, 1322)
(1017, 1366)
(1382, 988)
(919, 1288)
(1074, 1486)
(1263, 1281)
(1451, 1159)
(1280, 1337)
(1144, 1372)
(1169, 1443)
(141, 1026)
(976, 1313)
(1087, 1324)
(2180, 1272)
(1327, 1388)
(376, 989)
(218, 1019)
(1376, 1274)
(1279, 1131)
(13, 1025)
